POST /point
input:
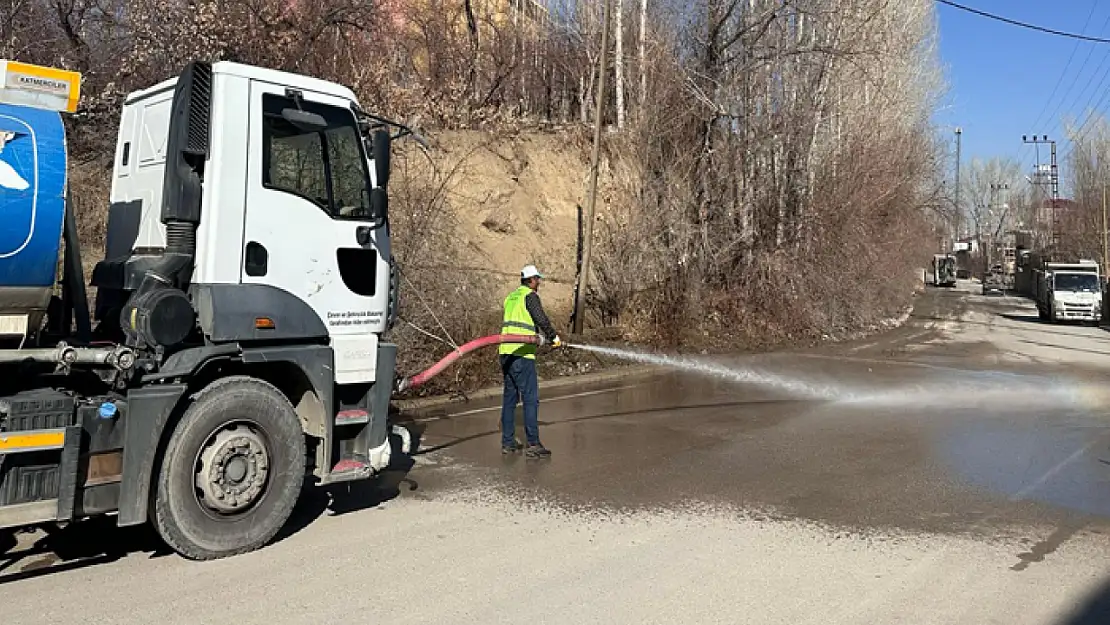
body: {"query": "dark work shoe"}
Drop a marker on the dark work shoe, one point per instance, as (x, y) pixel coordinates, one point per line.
(537, 451)
(511, 449)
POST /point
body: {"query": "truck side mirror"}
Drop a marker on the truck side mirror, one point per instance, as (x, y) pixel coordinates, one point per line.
(380, 148)
(379, 204)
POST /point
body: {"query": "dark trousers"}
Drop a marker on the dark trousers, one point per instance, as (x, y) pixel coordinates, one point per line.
(521, 383)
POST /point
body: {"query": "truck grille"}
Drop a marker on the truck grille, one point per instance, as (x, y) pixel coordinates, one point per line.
(1076, 310)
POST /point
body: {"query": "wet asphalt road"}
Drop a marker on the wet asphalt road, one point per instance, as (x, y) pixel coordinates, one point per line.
(956, 469)
(950, 461)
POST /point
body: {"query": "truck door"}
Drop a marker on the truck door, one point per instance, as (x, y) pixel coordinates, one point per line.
(307, 210)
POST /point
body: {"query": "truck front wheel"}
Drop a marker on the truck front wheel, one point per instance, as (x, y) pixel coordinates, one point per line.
(232, 470)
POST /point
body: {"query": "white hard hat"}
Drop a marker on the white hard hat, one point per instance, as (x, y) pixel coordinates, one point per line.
(530, 271)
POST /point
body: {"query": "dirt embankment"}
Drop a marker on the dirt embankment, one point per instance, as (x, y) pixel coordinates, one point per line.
(476, 209)
(515, 201)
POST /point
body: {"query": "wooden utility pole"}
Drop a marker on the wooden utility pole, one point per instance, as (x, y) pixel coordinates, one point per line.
(591, 200)
(1105, 252)
(959, 134)
(993, 234)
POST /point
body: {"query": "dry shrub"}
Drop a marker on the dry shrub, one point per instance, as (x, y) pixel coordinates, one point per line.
(738, 223)
(438, 305)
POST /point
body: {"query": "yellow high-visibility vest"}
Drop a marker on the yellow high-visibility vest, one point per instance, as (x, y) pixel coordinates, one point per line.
(517, 320)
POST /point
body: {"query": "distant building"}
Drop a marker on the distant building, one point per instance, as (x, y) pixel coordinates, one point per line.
(1061, 207)
(967, 244)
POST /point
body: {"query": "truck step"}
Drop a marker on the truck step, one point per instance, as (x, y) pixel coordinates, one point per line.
(347, 470)
(352, 417)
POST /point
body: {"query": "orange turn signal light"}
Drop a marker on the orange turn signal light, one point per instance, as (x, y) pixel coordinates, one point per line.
(264, 323)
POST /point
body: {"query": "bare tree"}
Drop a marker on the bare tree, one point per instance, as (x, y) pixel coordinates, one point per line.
(643, 51)
(618, 62)
(986, 187)
(1082, 226)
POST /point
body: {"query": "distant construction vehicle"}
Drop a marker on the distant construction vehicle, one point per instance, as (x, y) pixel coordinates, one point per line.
(944, 270)
(1009, 266)
(994, 281)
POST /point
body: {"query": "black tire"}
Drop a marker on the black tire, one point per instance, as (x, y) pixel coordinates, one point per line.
(198, 531)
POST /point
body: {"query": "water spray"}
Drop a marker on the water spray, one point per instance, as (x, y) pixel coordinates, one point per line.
(739, 375)
(958, 389)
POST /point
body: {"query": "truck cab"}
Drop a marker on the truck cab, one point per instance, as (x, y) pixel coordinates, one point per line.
(245, 291)
(1070, 292)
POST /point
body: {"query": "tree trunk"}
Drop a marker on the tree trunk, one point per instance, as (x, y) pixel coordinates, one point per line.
(643, 52)
(618, 59)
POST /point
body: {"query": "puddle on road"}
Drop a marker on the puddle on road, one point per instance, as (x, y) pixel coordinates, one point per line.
(1057, 458)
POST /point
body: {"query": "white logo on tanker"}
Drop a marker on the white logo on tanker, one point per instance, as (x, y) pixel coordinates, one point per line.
(10, 178)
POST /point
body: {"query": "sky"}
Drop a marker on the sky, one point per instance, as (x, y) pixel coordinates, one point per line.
(1005, 81)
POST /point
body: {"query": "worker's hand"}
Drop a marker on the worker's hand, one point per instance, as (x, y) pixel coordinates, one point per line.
(556, 343)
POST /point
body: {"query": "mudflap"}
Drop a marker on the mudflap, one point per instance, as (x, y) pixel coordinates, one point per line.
(369, 452)
(374, 438)
(149, 410)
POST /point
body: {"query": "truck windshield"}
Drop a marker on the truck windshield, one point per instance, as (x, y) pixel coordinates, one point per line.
(1087, 282)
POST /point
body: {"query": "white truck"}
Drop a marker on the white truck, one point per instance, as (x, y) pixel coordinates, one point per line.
(246, 286)
(1068, 292)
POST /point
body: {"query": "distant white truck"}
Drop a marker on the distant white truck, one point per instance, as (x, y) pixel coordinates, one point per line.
(1068, 292)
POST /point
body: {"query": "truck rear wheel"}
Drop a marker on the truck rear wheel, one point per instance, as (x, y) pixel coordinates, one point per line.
(232, 470)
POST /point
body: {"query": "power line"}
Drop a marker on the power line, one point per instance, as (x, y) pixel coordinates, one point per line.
(1083, 129)
(1029, 150)
(1022, 24)
(1084, 117)
(1080, 132)
(1059, 80)
(1086, 110)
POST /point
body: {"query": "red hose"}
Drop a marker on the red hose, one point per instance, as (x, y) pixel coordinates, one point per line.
(466, 348)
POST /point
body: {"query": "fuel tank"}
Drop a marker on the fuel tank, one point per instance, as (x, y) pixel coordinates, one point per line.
(32, 210)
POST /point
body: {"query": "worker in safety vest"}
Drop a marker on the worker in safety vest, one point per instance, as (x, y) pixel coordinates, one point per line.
(523, 315)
